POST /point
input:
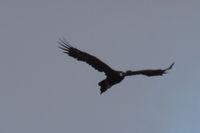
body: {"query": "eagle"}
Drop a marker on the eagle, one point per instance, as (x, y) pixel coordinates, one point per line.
(112, 76)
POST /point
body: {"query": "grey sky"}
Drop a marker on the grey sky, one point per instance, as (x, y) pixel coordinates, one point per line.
(44, 91)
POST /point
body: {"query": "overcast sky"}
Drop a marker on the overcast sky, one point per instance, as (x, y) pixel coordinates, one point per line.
(43, 90)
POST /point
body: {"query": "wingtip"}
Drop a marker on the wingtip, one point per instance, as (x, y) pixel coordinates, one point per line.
(64, 42)
(170, 67)
(65, 50)
(64, 45)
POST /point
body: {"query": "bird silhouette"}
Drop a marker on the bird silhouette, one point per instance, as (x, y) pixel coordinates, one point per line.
(112, 76)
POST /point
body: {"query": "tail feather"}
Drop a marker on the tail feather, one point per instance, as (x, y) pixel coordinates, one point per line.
(104, 85)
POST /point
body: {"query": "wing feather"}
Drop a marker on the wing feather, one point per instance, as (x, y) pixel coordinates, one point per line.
(85, 57)
(150, 72)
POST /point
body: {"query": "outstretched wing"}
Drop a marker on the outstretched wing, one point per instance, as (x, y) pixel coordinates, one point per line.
(85, 57)
(150, 72)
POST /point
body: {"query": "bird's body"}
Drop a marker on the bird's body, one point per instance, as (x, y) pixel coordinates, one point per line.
(112, 76)
(112, 79)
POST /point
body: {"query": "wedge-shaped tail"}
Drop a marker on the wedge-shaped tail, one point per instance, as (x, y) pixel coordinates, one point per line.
(104, 84)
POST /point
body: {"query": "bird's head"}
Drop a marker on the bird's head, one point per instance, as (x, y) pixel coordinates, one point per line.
(122, 74)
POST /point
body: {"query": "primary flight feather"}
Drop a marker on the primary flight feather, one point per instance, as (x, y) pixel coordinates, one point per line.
(112, 76)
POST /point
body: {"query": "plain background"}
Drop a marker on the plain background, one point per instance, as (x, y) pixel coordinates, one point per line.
(43, 90)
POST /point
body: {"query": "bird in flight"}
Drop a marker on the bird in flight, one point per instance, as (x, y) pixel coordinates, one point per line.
(112, 76)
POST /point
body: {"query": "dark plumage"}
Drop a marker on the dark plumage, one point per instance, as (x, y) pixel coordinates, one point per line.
(112, 76)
